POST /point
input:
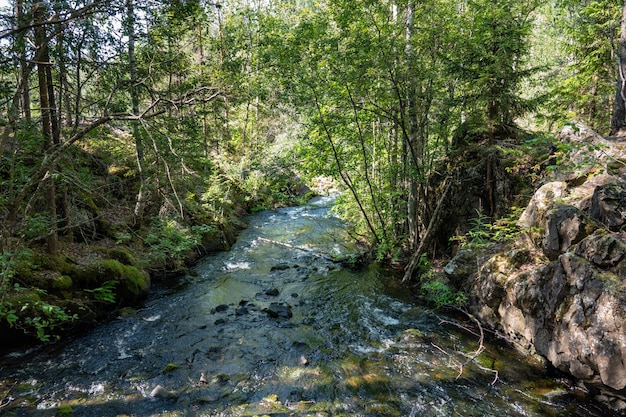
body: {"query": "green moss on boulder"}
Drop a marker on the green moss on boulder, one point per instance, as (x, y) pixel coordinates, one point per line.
(57, 263)
(62, 282)
(133, 283)
(121, 254)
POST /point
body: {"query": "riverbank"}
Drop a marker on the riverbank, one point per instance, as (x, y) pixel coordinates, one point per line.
(105, 257)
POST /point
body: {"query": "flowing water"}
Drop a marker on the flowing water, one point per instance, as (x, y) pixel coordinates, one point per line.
(277, 327)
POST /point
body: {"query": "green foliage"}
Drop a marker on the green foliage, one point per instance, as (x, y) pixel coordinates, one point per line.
(24, 309)
(584, 85)
(492, 59)
(484, 232)
(440, 294)
(105, 293)
(36, 226)
(170, 241)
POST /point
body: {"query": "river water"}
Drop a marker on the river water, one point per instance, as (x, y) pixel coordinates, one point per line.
(278, 327)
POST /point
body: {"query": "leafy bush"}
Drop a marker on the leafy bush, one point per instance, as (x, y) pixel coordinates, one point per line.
(484, 233)
(24, 309)
(440, 294)
(105, 293)
(170, 241)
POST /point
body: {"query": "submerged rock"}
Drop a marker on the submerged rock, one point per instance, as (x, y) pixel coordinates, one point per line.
(280, 267)
(276, 310)
(220, 308)
(272, 292)
(163, 394)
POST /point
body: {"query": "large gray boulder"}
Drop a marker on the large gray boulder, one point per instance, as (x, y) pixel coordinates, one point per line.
(560, 291)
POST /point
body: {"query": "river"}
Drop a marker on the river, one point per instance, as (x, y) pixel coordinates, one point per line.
(276, 326)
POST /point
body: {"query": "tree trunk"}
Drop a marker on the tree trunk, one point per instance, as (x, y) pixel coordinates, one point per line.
(618, 121)
(49, 130)
(24, 69)
(414, 158)
(134, 96)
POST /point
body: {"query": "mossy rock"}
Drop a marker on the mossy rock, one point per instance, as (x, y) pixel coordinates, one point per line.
(617, 166)
(170, 367)
(22, 298)
(121, 254)
(62, 282)
(24, 270)
(64, 411)
(411, 336)
(133, 283)
(57, 263)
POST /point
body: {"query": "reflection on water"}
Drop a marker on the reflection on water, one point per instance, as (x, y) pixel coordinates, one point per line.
(275, 327)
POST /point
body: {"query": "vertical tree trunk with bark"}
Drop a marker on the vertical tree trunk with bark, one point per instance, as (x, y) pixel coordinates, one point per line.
(134, 96)
(412, 129)
(618, 120)
(20, 43)
(49, 130)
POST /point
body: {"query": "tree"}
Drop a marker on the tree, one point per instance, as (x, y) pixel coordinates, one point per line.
(133, 83)
(380, 120)
(618, 120)
(491, 62)
(587, 87)
(49, 123)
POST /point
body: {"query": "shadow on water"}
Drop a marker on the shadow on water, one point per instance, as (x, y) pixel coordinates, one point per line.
(275, 327)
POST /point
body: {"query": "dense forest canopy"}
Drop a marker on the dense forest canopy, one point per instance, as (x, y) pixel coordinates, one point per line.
(154, 121)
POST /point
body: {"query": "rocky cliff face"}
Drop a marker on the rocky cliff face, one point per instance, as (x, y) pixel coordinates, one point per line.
(560, 290)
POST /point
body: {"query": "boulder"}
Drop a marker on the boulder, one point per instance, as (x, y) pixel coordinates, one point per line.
(560, 291)
(608, 206)
(543, 198)
(564, 226)
(590, 153)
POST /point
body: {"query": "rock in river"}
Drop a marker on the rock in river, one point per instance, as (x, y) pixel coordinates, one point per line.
(277, 310)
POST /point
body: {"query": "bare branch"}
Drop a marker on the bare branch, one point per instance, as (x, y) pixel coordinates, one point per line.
(56, 19)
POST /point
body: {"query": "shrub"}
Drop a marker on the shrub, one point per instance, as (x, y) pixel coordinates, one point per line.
(440, 294)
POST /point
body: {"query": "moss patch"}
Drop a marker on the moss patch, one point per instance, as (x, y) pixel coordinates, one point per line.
(122, 255)
(132, 282)
(170, 367)
(62, 282)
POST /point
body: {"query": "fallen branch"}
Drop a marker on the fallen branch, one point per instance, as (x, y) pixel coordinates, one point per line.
(302, 248)
(480, 349)
(408, 274)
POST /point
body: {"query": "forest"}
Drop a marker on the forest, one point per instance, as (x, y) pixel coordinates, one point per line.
(135, 134)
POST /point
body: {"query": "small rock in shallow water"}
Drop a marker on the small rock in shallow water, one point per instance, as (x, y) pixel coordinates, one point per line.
(162, 393)
(280, 267)
(276, 310)
(241, 311)
(272, 292)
